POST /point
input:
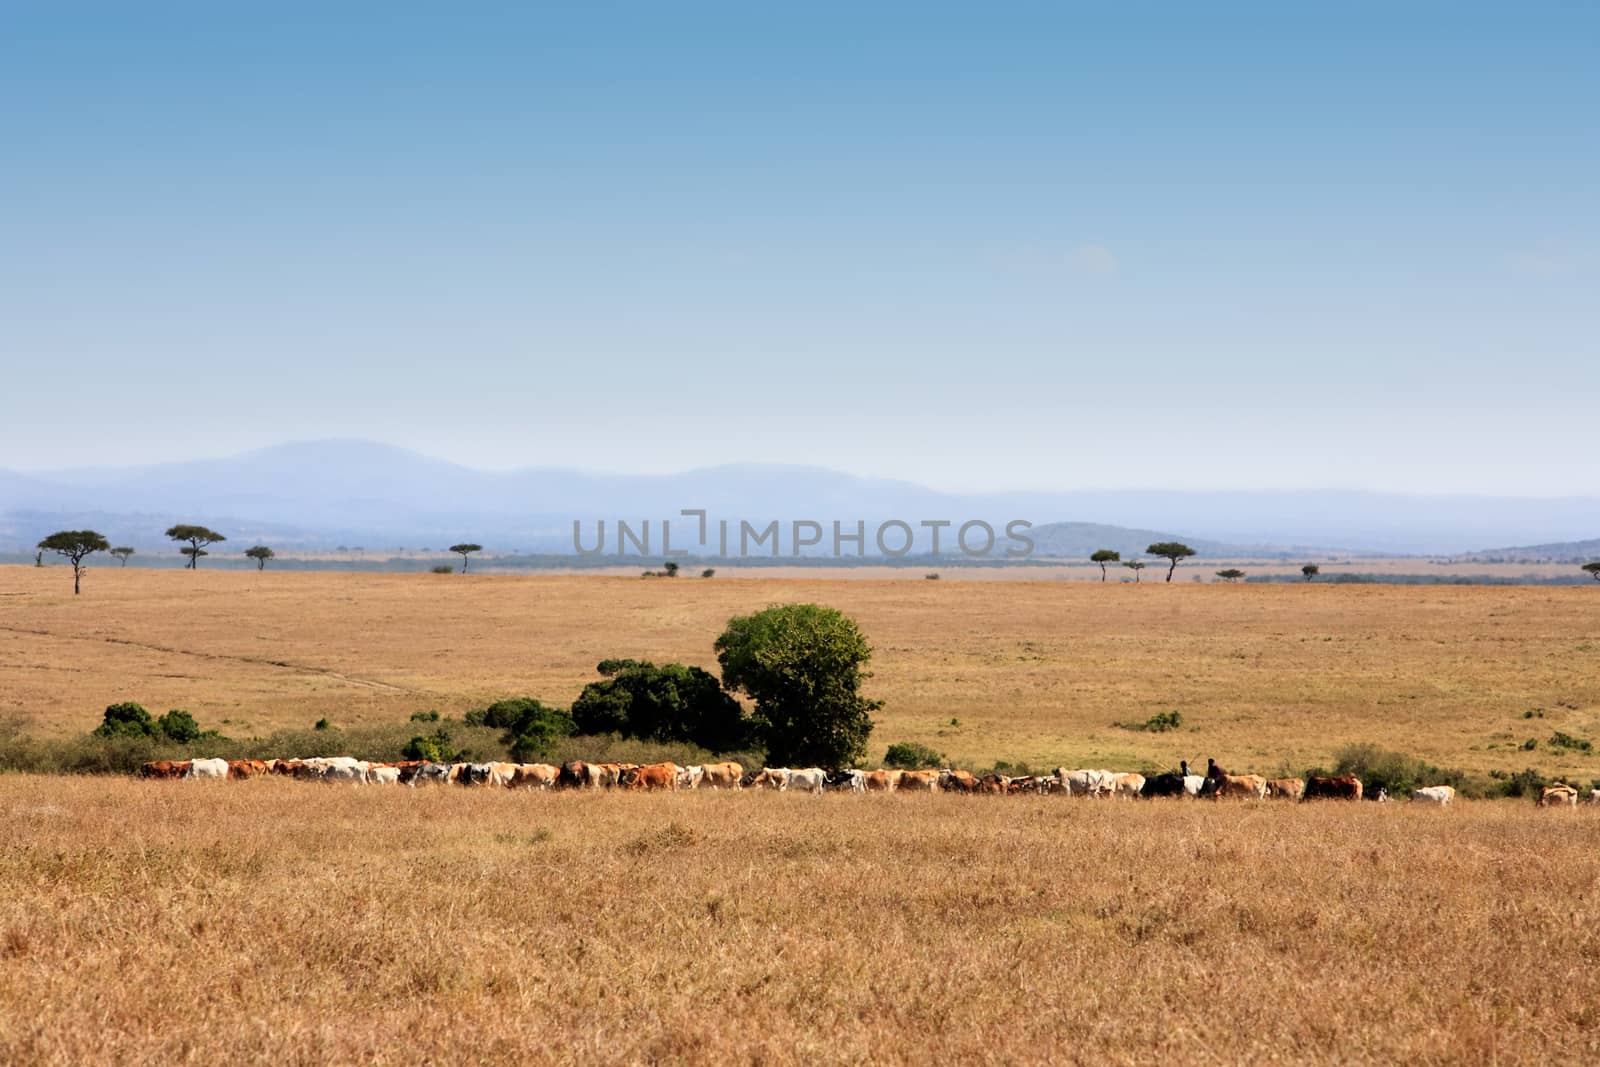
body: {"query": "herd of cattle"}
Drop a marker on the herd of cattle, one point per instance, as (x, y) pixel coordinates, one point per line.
(1215, 783)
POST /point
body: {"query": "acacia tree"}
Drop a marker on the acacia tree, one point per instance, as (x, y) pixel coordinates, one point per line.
(1310, 570)
(1232, 574)
(1593, 569)
(464, 550)
(260, 553)
(1172, 552)
(1134, 565)
(198, 537)
(1104, 556)
(76, 545)
(803, 665)
(122, 552)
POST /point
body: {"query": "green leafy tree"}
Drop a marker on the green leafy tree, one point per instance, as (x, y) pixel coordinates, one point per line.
(803, 664)
(1104, 556)
(670, 568)
(1171, 551)
(465, 549)
(178, 725)
(122, 552)
(1310, 570)
(77, 546)
(198, 537)
(667, 703)
(1593, 569)
(1134, 565)
(709, 572)
(126, 720)
(1232, 574)
(260, 553)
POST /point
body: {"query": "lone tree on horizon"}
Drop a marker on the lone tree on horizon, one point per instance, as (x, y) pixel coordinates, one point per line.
(260, 553)
(76, 545)
(1171, 551)
(1593, 569)
(464, 550)
(122, 552)
(1310, 570)
(1104, 556)
(1232, 574)
(198, 537)
(1134, 565)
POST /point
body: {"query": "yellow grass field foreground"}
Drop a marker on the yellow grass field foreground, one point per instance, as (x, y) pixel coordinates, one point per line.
(183, 922)
(1269, 678)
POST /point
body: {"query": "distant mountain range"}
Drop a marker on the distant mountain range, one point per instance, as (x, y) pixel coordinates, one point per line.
(1560, 552)
(318, 495)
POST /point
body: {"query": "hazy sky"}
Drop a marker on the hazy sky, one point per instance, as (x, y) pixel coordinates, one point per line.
(974, 245)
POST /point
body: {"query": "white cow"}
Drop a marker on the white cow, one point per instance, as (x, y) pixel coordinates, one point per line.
(1127, 785)
(691, 776)
(1442, 795)
(207, 768)
(1086, 783)
(383, 775)
(1192, 784)
(432, 774)
(1594, 796)
(809, 780)
(341, 769)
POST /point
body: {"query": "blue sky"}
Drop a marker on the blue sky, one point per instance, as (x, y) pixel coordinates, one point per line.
(978, 246)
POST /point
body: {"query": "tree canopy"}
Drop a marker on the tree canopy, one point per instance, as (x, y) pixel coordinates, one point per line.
(76, 546)
(1104, 556)
(1593, 569)
(260, 553)
(1172, 551)
(1310, 570)
(465, 549)
(198, 537)
(1232, 574)
(803, 666)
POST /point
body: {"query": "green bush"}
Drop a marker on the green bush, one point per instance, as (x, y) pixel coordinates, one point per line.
(1567, 741)
(322, 724)
(668, 703)
(444, 568)
(436, 748)
(126, 720)
(424, 716)
(1397, 772)
(910, 756)
(1158, 723)
(178, 725)
(531, 727)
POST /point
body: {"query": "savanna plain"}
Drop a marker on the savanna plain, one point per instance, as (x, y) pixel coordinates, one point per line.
(283, 920)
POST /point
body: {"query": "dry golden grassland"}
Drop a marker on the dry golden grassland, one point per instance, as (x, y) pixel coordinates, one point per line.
(1267, 677)
(188, 922)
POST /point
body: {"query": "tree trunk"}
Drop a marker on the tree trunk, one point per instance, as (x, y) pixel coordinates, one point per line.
(1102, 572)
(261, 564)
(1171, 569)
(77, 572)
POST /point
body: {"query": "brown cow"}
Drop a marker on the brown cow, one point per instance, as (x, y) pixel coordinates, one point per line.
(919, 781)
(959, 781)
(1343, 787)
(165, 768)
(534, 776)
(883, 781)
(653, 777)
(1558, 796)
(1248, 786)
(246, 768)
(1286, 788)
(721, 775)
